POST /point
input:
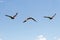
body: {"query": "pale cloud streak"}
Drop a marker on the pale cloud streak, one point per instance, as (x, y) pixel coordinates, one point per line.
(57, 38)
(41, 37)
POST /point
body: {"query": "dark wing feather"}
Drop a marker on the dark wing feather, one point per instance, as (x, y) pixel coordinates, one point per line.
(54, 15)
(29, 19)
(8, 16)
(15, 15)
(46, 17)
(24, 21)
(33, 19)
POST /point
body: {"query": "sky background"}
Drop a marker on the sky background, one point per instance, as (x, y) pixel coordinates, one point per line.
(43, 29)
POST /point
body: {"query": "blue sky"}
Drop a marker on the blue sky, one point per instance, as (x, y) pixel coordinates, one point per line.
(43, 29)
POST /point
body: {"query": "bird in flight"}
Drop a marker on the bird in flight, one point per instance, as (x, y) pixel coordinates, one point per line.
(12, 17)
(50, 17)
(29, 19)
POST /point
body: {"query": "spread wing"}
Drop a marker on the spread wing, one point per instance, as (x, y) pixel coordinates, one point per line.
(33, 19)
(8, 16)
(24, 21)
(29, 19)
(54, 15)
(46, 17)
(15, 15)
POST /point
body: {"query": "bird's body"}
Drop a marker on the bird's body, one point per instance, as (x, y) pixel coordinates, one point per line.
(12, 17)
(29, 19)
(50, 17)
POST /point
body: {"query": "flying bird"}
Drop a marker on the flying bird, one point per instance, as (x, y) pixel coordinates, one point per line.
(29, 18)
(12, 17)
(50, 17)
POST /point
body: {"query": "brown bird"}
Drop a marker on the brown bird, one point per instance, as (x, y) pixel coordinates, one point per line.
(50, 17)
(29, 19)
(12, 17)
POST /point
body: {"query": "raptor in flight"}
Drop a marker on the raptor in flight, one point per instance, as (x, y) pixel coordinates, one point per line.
(12, 17)
(50, 17)
(29, 18)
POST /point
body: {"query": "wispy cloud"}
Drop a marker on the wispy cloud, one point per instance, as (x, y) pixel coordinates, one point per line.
(41, 37)
(57, 38)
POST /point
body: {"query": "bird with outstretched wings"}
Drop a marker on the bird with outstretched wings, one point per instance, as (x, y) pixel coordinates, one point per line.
(29, 18)
(50, 17)
(12, 17)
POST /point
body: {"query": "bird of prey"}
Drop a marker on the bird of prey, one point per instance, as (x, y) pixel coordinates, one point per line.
(29, 19)
(50, 17)
(12, 17)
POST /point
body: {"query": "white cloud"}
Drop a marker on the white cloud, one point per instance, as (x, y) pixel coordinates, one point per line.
(41, 37)
(57, 38)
